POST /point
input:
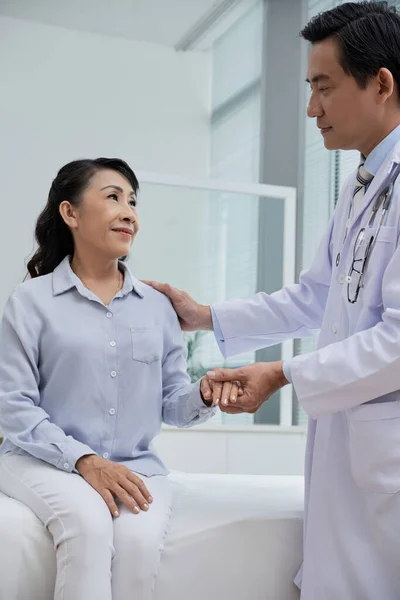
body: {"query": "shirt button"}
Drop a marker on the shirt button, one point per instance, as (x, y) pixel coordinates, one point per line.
(113, 373)
(105, 455)
(112, 411)
(109, 315)
(334, 328)
(66, 465)
(113, 344)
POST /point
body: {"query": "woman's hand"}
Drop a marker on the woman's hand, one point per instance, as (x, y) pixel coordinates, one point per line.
(214, 392)
(111, 479)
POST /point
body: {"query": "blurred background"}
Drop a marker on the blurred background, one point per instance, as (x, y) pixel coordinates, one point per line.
(206, 100)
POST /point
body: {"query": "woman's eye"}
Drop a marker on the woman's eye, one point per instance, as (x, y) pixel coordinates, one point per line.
(133, 203)
(113, 196)
(323, 89)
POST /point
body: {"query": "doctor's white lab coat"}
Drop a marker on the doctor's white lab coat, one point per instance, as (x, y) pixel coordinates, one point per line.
(350, 388)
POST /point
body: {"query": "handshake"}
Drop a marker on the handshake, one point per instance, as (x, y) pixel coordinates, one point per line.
(244, 389)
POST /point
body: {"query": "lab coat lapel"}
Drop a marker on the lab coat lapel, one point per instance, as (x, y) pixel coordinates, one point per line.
(377, 184)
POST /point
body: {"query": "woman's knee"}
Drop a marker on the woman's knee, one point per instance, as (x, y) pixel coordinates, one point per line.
(92, 520)
(142, 539)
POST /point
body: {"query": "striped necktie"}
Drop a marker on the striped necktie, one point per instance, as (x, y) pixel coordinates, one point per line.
(363, 180)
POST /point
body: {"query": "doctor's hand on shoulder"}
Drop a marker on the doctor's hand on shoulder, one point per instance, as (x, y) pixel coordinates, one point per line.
(257, 383)
(192, 315)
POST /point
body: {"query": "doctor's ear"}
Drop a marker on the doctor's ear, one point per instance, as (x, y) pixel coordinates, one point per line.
(386, 85)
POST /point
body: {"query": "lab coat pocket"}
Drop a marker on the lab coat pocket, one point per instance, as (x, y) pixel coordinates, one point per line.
(374, 440)
(146, 344)
(382, 252)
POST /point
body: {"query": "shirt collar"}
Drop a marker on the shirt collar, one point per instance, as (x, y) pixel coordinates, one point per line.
(65, 279)
(376, 158)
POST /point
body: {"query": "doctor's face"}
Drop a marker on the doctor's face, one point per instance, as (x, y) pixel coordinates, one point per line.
(346, 114)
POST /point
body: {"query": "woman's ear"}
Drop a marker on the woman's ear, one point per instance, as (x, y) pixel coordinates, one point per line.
(68, 214)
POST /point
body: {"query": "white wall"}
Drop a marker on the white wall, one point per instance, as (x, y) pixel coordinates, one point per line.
(68, 94)
(172, 244)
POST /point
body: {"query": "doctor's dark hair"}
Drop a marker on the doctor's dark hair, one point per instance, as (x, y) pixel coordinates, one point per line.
(368, 38)
(53, 236)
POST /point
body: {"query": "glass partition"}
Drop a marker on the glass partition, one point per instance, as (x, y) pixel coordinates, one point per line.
(203, 237)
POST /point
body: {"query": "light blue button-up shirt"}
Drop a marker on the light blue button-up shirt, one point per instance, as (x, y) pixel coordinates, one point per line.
(372, 164)
(79, 377)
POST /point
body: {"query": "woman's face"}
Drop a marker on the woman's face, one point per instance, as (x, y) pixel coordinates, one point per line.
(106, 219)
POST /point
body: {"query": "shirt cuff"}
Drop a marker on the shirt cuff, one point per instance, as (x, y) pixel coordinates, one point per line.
(219, 336)
(72, 451)
(286, 371)
(197, 402)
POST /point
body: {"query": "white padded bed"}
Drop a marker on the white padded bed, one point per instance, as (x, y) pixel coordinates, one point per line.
(231, 537)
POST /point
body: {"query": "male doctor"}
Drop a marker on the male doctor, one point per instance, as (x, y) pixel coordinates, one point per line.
(350, 385)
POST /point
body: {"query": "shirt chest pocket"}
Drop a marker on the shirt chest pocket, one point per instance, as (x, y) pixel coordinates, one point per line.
(146, 344)
(382, 252)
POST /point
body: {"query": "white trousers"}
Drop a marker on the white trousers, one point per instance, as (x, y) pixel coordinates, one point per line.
(98, 557)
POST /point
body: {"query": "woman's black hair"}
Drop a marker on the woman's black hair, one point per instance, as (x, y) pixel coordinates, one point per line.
(52, 235)
(368, 38)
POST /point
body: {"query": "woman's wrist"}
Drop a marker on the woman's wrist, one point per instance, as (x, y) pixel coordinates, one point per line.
(84, 461)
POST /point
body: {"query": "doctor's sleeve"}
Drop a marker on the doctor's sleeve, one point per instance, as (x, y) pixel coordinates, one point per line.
(360, 368)
(22, 420)
(295, 311)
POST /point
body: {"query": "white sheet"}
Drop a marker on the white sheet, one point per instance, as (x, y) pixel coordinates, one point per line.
(231, 538)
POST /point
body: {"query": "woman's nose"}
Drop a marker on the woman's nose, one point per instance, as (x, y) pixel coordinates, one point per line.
(128, 213)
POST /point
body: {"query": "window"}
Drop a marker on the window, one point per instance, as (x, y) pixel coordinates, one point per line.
(234, 156)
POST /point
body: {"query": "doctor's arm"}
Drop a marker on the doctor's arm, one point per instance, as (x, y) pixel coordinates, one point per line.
(263, 320)
(22, 420)
(340, 376)
(360, 368)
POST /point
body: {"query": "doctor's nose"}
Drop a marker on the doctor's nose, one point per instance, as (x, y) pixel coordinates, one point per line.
(314, 108)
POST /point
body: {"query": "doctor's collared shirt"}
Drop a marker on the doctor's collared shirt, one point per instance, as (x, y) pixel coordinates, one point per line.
(78, 377)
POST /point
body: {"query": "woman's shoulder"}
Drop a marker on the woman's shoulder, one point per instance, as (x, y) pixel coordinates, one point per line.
(33, 290)
(159, 304)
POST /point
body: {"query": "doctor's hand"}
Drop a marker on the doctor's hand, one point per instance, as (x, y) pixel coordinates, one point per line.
(192, 315)
(258, 381)
(111, 479)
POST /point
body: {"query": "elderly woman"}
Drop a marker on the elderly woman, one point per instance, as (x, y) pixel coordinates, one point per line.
(91, 363)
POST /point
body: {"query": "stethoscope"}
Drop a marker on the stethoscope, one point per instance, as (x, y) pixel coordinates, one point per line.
(383, 200)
